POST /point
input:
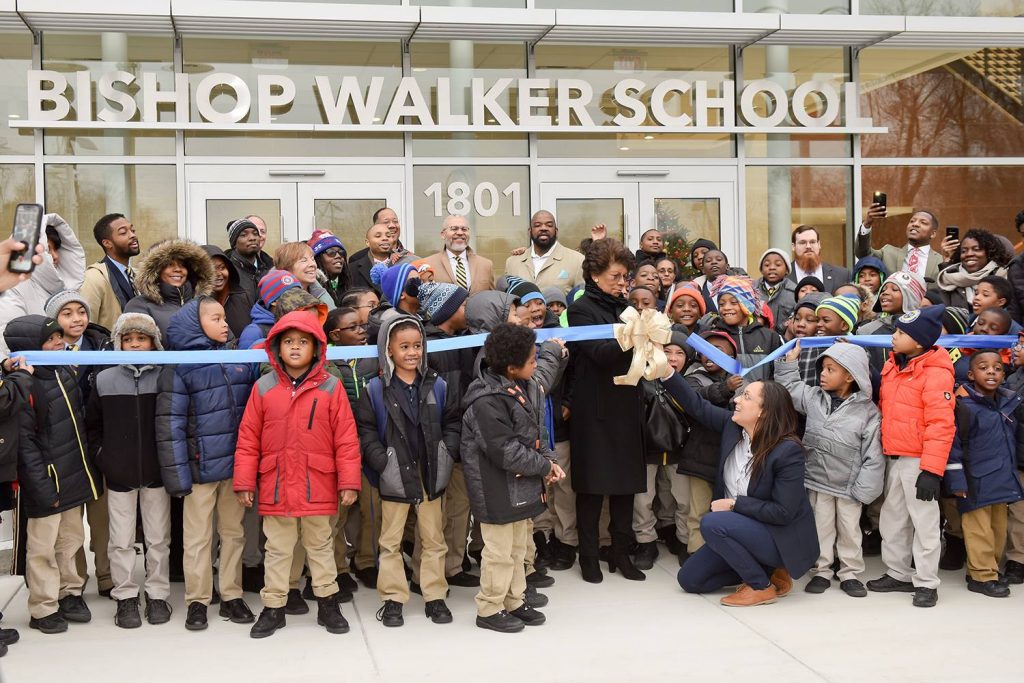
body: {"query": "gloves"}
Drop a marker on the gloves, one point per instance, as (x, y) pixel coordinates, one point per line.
(928, 485)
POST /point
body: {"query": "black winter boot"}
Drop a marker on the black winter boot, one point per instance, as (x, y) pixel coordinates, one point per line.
(271, 619)
(328, 615)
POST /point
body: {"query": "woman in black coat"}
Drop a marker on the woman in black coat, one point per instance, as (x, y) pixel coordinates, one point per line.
(605, 427)
(760, 531)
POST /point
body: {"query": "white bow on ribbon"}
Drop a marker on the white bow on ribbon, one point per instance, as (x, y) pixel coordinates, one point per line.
(645, 332)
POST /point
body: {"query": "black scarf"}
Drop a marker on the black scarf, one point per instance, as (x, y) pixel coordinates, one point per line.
(615, 304)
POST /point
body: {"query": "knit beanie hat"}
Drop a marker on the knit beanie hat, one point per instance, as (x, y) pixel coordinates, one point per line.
(690, 290)
(778, 252)
(811, 301)
(923, 325)
(422, 267)
(48, 329)
(555, 295)
(524, 290)
(273, 285)
(61, 299)
(740, 287)
(707, 244)
(911, 287)
(322, 240)
(810, 280)
(235, 229)
(846, 307)
(678, 338)
(392, 280)
(440, 300)
(956, 320)
(135, 322)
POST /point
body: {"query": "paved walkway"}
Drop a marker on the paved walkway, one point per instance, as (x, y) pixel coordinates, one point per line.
(618, 630)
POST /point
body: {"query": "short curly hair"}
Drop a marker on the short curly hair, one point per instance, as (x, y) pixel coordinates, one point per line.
(508, 346)
(988, 242)
(601, 254)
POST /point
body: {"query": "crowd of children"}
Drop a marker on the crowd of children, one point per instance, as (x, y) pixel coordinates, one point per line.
(464, 453)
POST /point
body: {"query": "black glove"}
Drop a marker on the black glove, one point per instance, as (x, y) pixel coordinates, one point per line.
(928, 485)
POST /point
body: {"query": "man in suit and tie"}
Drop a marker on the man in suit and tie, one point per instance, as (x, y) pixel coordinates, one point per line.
(547, 262)
(807, 260)
(457, 263)
(916, 256)
(109, 283)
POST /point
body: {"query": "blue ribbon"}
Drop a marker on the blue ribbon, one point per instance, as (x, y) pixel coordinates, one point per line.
(950, 341)
(584, 333)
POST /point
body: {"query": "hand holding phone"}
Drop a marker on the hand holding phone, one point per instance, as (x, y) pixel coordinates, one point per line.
(880, 198)
(953, 231)
(876, 210)
(28, 228)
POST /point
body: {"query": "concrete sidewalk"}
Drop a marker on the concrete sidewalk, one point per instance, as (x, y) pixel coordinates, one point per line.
(618, 630)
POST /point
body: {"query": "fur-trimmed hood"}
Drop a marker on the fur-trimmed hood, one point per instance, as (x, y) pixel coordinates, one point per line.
(160, 255)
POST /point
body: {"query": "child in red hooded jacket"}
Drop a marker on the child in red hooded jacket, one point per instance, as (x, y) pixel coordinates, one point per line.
(298, 447)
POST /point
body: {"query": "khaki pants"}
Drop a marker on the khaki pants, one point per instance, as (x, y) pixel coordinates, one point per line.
(644, 520)
(99, 540)
(502, 573)
(369, 526)
(1015, 529)
(985, 538)
(456, 521)
(701, 494)
(562, 499)
(909, 527)
(51, 571)
(391, 581)
(339, 550)
(156, 527)
(197, 561)
(316, 536)
(838, 523)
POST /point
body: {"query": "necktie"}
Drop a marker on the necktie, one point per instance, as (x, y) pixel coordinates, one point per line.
(460, 272)
(913, 260)
(131, 279)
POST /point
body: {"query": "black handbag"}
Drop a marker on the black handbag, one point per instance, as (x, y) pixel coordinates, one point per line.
(665, 428)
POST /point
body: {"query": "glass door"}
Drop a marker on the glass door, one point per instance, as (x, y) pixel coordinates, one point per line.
(580, 206)
(213, 205)
(687, 211)
(347, 209)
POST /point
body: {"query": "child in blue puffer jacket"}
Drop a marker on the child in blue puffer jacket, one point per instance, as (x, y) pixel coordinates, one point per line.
(199, 409)
(982, 468)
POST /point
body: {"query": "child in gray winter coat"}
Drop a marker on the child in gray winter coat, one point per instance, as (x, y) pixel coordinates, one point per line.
(845, 468)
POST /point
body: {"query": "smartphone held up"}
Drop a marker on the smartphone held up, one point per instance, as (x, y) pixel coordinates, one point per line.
(28, 229)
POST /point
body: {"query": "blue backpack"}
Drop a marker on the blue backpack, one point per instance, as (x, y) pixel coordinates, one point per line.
(375, 390)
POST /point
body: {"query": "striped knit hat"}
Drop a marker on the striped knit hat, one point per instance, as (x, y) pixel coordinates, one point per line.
(738, 286)
(524, 290)
(273, 285)
(846, 307)
(392, 281)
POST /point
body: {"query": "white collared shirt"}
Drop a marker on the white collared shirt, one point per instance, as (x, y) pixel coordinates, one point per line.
(540, 260)
(922, 260)
(801, 274)
(736, 471)
(453, 261)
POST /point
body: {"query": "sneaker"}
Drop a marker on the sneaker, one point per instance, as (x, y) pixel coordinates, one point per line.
(368, 576)
(646, 554)
(502, 622)
(51, 623)
(328, 615)
(528, 615)
(745, 596)
(992, 589)
(390, 613)
(533, 598)
(819, 584)
(464, 580)
(195, 619)
(157, 611)
(253, 579)
(9, 636)
(237, 612)
(346, 584)
(853, 588)
(271, 619)
(538, 580)
(925, 597)
(73, 608)
(296, 603)
(887, 584)
(438, 612)
(127, 615)
(1013, 572)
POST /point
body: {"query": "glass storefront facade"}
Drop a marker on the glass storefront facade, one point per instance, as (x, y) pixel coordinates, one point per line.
(955, 140)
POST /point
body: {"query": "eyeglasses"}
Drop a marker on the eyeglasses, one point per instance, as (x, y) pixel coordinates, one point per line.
(334, 252)
(352, 328)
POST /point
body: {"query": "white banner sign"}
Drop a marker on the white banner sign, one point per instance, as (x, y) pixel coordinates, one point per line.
(562, 105)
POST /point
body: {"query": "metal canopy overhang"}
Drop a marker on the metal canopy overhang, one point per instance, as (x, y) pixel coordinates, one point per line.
(327, 21)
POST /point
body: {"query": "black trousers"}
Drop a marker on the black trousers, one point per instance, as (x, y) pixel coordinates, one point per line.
(588, 517)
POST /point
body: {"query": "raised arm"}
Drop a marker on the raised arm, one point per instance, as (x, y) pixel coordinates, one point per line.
(700, 409)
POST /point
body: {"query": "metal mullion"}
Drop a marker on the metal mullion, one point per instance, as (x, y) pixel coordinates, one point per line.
(741, 154)
(531, 138)
(179, 151)
(853, 55)
(37, 138)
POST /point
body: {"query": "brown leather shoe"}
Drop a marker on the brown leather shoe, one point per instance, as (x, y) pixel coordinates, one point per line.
(782, 581)
(745, 596)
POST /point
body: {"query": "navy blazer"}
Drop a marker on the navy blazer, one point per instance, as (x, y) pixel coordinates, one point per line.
(776, 496)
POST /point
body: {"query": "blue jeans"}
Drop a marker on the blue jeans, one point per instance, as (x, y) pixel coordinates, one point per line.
(737, 549)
